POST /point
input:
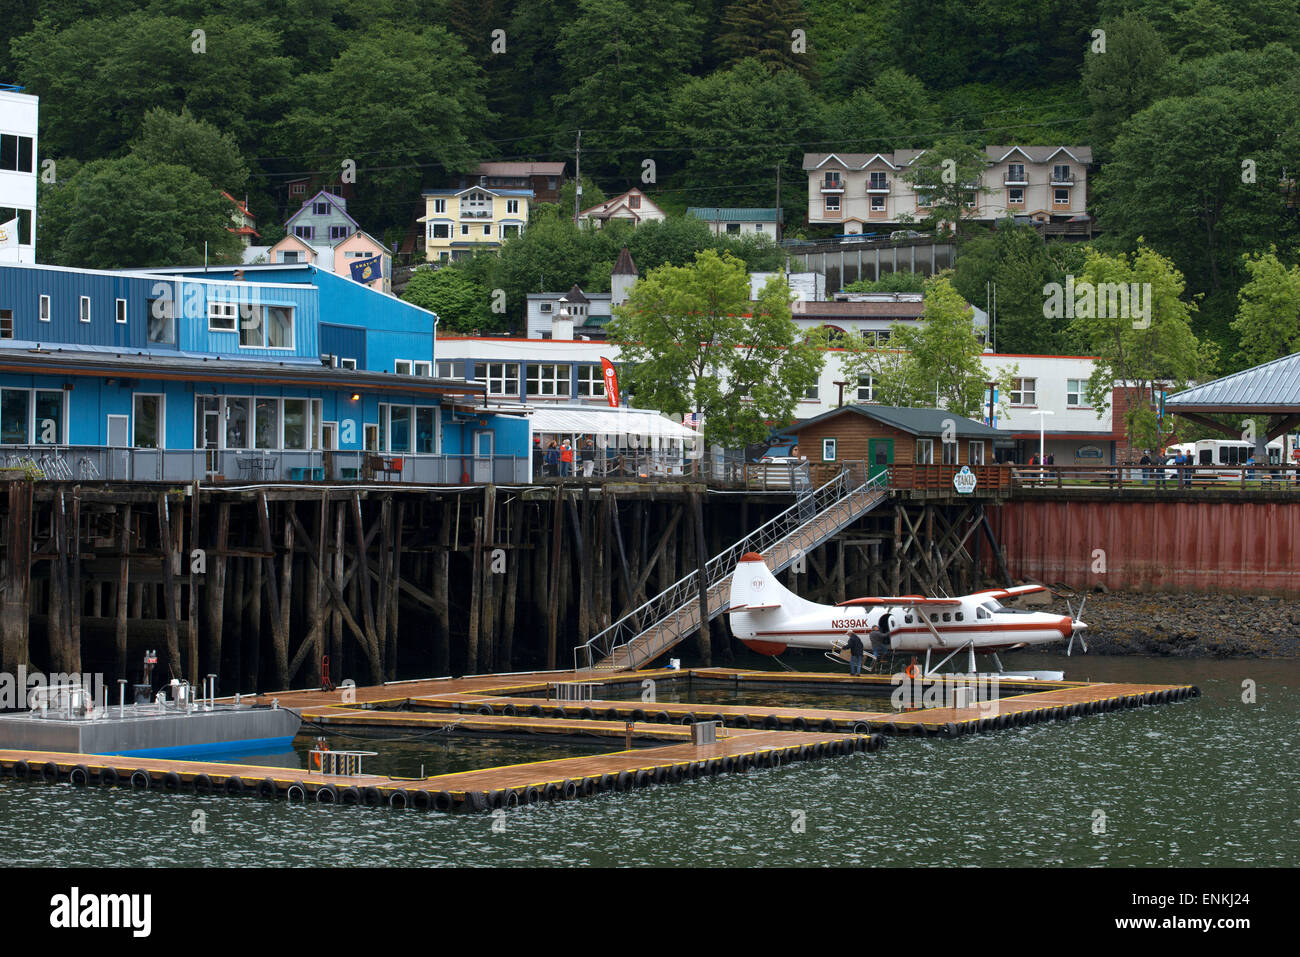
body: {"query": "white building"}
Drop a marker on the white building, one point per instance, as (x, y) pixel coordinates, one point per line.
(804, 286)
(18, 168)
(576, 313)
(558, 371)
(738, 220)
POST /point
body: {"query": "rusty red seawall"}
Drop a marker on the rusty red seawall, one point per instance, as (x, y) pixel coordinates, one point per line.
(1228, 546)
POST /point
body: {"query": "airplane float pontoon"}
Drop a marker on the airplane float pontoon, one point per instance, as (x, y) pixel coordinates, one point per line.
(768, 618)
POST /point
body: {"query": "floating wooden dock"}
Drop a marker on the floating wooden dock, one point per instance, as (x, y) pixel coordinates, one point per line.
(750, 736)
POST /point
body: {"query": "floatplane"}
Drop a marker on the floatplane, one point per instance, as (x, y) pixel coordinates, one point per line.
(769, 618)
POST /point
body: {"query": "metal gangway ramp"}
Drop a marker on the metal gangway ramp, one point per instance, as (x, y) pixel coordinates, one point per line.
(656, 626)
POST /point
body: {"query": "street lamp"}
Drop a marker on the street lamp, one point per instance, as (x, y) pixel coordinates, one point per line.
(1041, 426)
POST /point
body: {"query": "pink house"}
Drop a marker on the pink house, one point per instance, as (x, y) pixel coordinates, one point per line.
(359, 247)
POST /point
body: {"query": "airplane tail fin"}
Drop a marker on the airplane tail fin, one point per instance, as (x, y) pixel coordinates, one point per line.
(754, 587)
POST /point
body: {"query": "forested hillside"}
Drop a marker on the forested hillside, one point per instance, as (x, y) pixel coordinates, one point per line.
(1190, 107)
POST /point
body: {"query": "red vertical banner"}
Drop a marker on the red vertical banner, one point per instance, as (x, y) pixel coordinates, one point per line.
(611, 381)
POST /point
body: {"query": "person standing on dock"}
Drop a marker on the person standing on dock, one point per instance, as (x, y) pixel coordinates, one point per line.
(588, 457)
(566, 459)
(854, 644)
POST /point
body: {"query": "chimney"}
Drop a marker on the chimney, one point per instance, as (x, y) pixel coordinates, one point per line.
(562, 321)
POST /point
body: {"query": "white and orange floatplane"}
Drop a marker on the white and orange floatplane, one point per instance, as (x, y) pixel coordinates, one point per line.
(769, 618)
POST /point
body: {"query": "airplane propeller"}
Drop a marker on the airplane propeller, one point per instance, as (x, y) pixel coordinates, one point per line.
(1079, 626)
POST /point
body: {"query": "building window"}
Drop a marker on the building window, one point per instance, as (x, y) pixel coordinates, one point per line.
(1076, 393)
(14, 406)
(402, 366)
(812, 393)
(162, 325)
(833, 204)
(1061, 173)
(119, 313)
(1024, 391)
(6, 323)
(591, 381)
(866, 388)
(1016, 173)
(1016, 196)
(237, 423)
(147, 415)
(829, 450)
(16, 153)
(733, 227)
(925, 451)
(1061, 196)
(949, 453)
(320, 209)
(297, 189)
(83, 309)
(295, 424)
(878, 181)
(24, 217)
(405, 428)
(303, 232)
(447, 370)
(923, 200)
(634, 201)
(487, 229)
(510, 230)
(512, 206)
(970, 200)
(338, 232)
(347, 363)
(975, 453)
(44, 313)
(222, 316)
(548, 380)
(439, 205)
(877, 203)
(279, 327)
(501, 378)
(440, 230)
(266, 424)
(464, 229)
(424, 368)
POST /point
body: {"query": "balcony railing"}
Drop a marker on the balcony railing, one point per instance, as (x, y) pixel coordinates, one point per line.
(1066, 179)
(832, 186)
(878, 186)
(476, 214)
(1015, 179)
(226, 466)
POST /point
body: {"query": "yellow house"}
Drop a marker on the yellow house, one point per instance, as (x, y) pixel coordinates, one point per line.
(460, 222)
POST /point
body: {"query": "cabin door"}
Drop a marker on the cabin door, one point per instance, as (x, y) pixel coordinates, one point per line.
(119, 448)
(880, 455)
(483, 456)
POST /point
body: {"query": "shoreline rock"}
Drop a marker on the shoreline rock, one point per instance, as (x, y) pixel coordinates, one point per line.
(1184, 625)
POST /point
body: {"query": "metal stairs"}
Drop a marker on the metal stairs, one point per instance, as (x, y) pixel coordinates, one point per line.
(647, 632)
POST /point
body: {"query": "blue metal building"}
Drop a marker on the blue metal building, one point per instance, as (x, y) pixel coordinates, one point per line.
(232, 375)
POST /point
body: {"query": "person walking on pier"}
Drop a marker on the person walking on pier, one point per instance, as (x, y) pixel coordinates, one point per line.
(879, 638)
(854, 646)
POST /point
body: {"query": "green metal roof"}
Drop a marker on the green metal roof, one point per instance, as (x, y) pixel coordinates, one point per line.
(925, 422)
(733, 214)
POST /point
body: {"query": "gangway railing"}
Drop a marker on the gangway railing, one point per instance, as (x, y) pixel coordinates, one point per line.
(670, 616)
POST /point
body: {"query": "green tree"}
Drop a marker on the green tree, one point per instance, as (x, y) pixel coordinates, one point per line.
(899, 281)
(623, 59)
(179, 139)
(1139, 347)
(937, 363)
(461, 303)
(592, 195)
(125, 213)
(1268, 319)
(736, 126)
(948, 176)
(1124, 79)
(762, 30)
(693, 342)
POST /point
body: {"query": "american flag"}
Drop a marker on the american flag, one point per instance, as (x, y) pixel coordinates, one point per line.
(692, 420)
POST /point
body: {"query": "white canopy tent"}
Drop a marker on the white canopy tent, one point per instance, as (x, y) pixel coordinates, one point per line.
(619, 428)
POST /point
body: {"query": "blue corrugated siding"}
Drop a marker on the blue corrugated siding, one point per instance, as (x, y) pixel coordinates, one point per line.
(22, 286)
(346, 342)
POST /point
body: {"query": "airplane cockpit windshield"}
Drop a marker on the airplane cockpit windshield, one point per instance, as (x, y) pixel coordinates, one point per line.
(993, 605)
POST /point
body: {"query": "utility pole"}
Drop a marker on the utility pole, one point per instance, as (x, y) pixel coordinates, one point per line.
(778, 202)
(577, 176)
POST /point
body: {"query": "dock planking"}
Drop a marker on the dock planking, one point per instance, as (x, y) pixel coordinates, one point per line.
(510, 704)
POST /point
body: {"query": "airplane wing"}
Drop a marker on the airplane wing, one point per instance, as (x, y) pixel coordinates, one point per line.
(904, 600)
(1010, 592)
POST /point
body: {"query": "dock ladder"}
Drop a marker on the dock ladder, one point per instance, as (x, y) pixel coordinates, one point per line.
(660, 623)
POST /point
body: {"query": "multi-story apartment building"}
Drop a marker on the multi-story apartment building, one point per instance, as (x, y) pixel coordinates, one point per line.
(863, 191)
(459, 222)
(18, 141)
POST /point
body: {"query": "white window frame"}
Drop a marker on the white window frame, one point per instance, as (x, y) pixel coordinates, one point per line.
(925, 451)
(1057, 192)
(1024, 388)
(830, 449)
(11, 324)
(590, 377)
(975, 452)
(347, 363)
(162, 419)
(1076, 397)
(402, 366)
(424, 368)
(1012, 193)
(83, 309)
(870, 388)
(555, 380)
(501, 378)
(878, 202)
(951, 457)
(44, 308)
(512, 206)
(385, 428)
(832, 203)
(119, 311)
(219, 312)
(439, 205)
